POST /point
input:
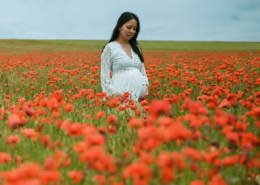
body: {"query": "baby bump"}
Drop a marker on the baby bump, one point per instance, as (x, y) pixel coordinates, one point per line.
(129, 81)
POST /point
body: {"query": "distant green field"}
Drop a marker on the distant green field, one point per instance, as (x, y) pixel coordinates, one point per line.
(20, 46)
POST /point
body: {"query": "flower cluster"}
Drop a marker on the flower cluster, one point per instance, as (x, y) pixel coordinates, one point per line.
(199, 125)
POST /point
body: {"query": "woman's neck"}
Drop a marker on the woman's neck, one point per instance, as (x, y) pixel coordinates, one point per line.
(122, 41)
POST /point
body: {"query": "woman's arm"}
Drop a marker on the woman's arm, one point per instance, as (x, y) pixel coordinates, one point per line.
(142, 70)
(144, 75)
(106, 64)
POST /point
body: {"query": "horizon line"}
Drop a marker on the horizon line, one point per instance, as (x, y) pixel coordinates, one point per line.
(140, 40)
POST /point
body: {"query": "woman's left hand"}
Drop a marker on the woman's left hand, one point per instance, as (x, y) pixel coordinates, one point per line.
(143, 96)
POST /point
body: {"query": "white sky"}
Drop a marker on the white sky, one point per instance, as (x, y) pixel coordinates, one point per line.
(186, 20)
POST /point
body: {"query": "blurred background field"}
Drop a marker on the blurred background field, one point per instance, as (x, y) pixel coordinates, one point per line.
(24, 46)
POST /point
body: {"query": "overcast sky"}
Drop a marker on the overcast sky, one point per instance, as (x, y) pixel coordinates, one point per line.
(182, 20)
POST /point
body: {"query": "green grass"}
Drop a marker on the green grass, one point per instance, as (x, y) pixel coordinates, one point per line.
(21, 46)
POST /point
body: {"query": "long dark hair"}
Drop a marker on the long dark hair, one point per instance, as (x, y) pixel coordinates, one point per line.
(125, 17)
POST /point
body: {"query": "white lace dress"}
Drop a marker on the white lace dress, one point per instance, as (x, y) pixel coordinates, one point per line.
(128, 75)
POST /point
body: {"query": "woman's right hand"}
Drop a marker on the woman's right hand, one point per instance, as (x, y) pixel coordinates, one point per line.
(116, 94)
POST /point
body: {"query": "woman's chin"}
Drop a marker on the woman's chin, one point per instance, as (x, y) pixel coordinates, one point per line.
(129, 38)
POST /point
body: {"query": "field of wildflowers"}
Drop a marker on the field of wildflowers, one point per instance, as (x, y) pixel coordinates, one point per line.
(199, 125)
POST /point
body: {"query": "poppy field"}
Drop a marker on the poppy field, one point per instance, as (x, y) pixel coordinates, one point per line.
(200, 124)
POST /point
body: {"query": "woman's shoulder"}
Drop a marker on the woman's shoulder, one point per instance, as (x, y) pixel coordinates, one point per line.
(110, 44)
(109, 47)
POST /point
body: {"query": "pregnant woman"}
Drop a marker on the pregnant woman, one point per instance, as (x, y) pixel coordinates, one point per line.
(122, 55)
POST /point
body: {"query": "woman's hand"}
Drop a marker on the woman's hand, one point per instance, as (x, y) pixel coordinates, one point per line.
(143, 96)
(116, 94)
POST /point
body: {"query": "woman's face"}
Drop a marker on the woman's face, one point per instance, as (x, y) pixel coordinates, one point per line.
(127, 31)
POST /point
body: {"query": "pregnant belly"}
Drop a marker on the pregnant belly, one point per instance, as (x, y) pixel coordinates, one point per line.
(129, 81)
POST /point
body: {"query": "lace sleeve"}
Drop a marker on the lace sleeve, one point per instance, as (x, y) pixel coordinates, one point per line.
(144, 75)
(142, 70)
(106, 64)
